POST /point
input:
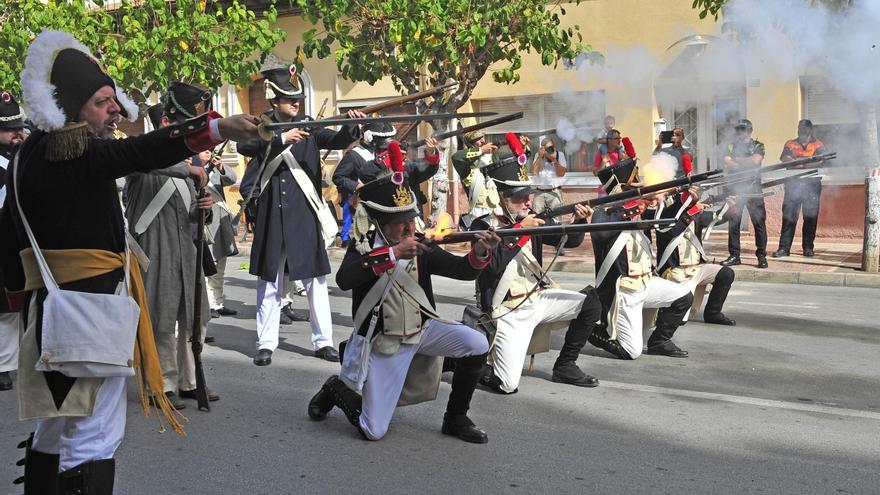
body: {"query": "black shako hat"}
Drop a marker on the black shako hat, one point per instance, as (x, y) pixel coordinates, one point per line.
(155, 114)
(283, 82)
(11, 117)
(388, 198)
(184, 101)
(510, 176)
(620, 174)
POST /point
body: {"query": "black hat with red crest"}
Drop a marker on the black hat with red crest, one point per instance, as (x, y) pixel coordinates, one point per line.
(388, 198)
(509, 173)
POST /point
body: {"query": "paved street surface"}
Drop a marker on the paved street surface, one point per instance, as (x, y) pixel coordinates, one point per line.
(785, 402)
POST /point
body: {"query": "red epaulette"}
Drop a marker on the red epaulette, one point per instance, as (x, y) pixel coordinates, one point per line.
(379, 260)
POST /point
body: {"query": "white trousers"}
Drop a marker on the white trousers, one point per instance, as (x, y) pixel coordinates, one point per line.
(269, 296)
(660, 293)
(703, 277)
(89, 438)
(387, 372)
(9, 335)
(215, 285)
(514, 331)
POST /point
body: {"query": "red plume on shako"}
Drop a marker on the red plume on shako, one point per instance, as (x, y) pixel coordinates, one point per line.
(395, 162)
(516, 147)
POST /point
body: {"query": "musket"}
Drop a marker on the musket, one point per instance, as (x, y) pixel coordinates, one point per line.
(196, 338)
(267, 128)
(393, 102)
(572, 228)
(720, 197)
(465, 130)
(684, 183)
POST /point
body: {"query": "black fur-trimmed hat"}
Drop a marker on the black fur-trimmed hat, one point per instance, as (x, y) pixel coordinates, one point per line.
(378, 134)
(284, 82)
(11, 117)
(184, 101)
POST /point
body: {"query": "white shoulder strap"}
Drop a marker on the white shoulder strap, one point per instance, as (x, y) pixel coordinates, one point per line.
(611, 257)
(364, 153)
(154, 207)
(322, 211)
(48, 279)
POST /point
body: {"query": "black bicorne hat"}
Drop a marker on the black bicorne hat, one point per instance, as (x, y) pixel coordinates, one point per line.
(283, 82)
(388, 198)
(155, 113)
(184, 101)
(11, 117)
(510, 176)
(619, 175)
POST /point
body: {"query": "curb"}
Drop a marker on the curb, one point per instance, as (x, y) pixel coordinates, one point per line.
(863, 280)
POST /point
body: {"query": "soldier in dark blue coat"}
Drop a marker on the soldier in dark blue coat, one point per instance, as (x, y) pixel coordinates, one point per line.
(292, 228)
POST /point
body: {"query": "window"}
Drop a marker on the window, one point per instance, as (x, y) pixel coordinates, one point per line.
(835, 122)
(581, 115)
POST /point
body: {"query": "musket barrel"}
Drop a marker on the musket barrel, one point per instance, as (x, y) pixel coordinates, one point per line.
(464, 130)
(393, 102)
(457, 237)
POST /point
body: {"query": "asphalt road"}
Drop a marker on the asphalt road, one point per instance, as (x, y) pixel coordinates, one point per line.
(785, 402)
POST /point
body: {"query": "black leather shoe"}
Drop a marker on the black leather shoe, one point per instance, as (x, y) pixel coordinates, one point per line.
(718, 319)
(571, 374)
(293, 314)
(191, 394)
(284, 319)
(493, 383)
(263, 357)
(224, 311)
(781, 253)
(809, 253)
(732, 260)
(762, 262)
(327, 353)
(5, 381)
(175, 401)
(668, 349)
(215, 314)
(322, 402)
(462, 427)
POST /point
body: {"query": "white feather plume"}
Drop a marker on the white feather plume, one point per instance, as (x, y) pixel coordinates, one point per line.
(129, 106)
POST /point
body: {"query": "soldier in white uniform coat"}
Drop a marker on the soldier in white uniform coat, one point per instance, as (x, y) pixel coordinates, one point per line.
(289, 237)
(162, 204)
(11, 135)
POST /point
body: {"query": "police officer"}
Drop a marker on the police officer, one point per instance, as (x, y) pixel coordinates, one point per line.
(745, 153)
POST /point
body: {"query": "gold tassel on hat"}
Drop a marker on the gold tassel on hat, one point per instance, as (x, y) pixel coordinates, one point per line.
(69, 142)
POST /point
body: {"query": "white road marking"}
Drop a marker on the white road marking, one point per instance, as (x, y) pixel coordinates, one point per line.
(750, 401)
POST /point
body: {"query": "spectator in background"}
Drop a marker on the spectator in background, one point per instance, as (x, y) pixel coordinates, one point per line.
(677, 150)
(617, 150)
(602, 138)
(549, 163)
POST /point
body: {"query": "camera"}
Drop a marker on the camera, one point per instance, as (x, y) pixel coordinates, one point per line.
(666, 137)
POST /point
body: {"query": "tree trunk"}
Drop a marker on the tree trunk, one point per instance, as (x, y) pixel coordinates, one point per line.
(871, 246)
(444, 184)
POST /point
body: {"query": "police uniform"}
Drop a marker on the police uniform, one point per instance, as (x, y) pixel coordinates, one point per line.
(800, 193)
(755, 205)
(394, 356)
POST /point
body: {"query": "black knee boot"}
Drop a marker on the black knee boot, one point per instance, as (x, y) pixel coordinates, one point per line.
(89, 478)
(40, 470)
(566, 370)
(599, 338)
(322, 403)
(668, 320)
(714, 304)
(464, 381)
(345, 399)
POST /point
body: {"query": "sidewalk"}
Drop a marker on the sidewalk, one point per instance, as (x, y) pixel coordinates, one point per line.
(837, 261)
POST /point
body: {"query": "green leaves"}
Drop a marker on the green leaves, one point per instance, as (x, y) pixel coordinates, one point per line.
(451, 39)
(147, 44)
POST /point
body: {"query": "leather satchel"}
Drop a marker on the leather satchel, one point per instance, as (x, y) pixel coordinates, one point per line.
(477, 319)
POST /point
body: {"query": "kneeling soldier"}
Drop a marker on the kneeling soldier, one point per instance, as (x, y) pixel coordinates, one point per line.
(518, 294)
(395, 354)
